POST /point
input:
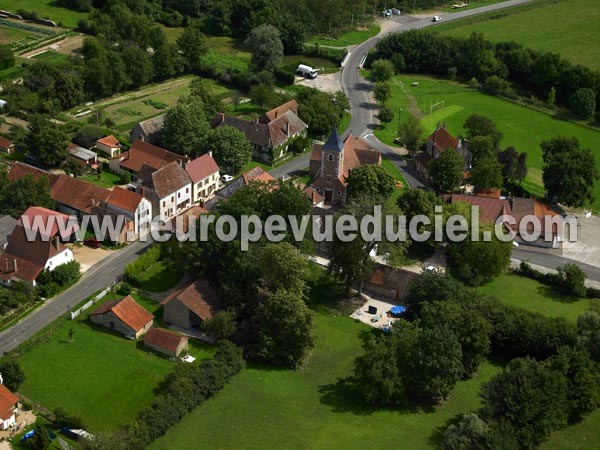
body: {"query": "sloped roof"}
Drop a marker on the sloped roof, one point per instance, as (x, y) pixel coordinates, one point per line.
(273, 114)
(37, 216)
(124, 199)
(153, 125)
(82, 153)
(128, 311)
(255, 174)
(169, 179)
(8, 400)
(442, 140)
(77, 194)
(334, 142)
(7, 225)
(201, 167)
(20, 170)
(142, 153)
(163, 339)
(198, 296)
(109, 141)
(5, 143)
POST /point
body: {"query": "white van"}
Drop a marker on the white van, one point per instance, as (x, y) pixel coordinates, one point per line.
(306, 71)
(436, 19)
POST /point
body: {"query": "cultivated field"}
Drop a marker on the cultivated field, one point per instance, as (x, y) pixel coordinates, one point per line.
(101, 377)
(47, 9)
(567, 27)
(524, 128)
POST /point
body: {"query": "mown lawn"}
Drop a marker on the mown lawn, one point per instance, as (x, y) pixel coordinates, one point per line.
(160, 276)
(353, 37)
(48, 9)
(582, 436)
(315, 406)
(516, 290)
(101, 377)
(567, 27)
(392, 170)
(104, 179)
(523, 128)
(472, 4)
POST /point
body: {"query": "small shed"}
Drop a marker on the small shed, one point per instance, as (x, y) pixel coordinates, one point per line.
(83, 155)
(166, 342)
(125, 316)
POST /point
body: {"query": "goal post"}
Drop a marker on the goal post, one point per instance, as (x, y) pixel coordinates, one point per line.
(432, 106)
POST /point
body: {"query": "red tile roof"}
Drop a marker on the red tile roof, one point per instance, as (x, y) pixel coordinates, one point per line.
(442, 140)
(124, 199)
(77, 194)
(199, 297)
(273, 114)
(40, 218)
(128, 311)
(258, 174)
(109, 141)
(201, 167)
(163, 339)
(20, 170)
(5, 143)
(169, 179)
(8, 401)
(145, 154)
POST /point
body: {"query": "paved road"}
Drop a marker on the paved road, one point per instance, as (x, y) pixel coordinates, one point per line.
(96, 278)
(553, 261)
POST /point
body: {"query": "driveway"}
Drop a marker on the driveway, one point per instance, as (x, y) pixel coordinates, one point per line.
(587, 248)
(88, 257)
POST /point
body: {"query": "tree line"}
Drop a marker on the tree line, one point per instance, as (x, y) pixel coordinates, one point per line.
(545, 75)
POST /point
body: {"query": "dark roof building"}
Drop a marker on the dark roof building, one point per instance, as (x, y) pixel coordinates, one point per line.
(149, 131)
(7, 225)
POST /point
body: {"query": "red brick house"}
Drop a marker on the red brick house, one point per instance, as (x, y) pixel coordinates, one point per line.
(332, 162)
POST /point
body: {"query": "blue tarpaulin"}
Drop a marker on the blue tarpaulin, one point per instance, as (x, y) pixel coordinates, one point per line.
(28, 435)
(397, 310)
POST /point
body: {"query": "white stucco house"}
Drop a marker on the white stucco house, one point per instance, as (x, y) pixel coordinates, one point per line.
(204, 174)
(172, 188)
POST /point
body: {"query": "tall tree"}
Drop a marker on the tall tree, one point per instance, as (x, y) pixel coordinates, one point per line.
(447, 171)
(382, 91)
(514, 165)
(230, 147)
(282, 266)
(264, 42)
(192, 45)
(382, 70)
(7, 58)
(138, 66)
(371, 181)
(481, 147)
(409, 133)
(186, 128)
(478, 125)
(167, 62)
(45, 141)
(569, 171)
(486, 174)
(583, 103)
(284, 327)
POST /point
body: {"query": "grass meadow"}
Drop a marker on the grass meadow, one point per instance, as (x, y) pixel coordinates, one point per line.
(567, 27)
(524, 128)
(46, 9)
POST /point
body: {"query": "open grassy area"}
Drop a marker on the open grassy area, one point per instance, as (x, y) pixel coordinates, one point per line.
(567, 27)
(524, 128)
(392, 170)
(350, 38)
(315, 406)
(472, 4)
(48, 9)
(160, 276)
(105, 179)
(100, 377)
(516, 290)
(582, 436)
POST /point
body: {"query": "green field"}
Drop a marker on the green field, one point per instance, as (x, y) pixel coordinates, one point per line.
(104, 179)
(160, 276)
(392, 170)
(472, 4)
(581, 436)
(353, 37)
(47, 9)
(324, 66)
(100, 377)
(568, 27)
(315, 406)
(524, 128)
(516, 290)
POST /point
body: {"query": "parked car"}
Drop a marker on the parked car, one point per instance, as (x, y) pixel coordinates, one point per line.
(387, 13)
(226, 178)
(436, 19)
(92, 242)
(396, 12)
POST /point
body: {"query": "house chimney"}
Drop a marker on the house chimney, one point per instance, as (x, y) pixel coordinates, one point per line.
(15, 264)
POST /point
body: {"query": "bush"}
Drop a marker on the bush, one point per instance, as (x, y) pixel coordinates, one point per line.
(125, 177)
(285, 76)
(583, 103)
(66, 273)
(382, 70)
(124, 288)
(135, 270)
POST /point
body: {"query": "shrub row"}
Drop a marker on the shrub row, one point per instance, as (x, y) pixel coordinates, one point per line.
(135, 270)
(561, 279)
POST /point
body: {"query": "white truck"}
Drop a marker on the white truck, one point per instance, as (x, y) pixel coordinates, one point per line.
(306, 71)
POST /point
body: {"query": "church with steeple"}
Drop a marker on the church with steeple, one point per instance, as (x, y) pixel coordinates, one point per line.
(332, 162)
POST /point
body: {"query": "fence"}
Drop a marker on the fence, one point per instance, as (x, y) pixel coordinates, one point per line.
(78, 311)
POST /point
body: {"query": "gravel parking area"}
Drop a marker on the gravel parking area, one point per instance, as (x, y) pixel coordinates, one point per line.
(326, 83)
